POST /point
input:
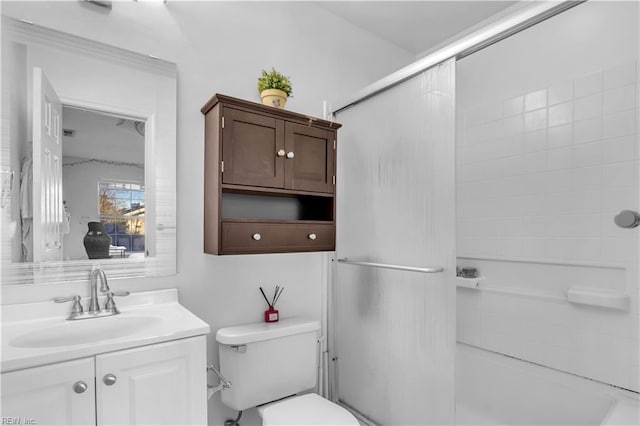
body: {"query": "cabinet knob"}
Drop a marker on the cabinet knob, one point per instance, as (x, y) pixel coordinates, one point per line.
(109, 379)
(312, 236)
(80, 387)
(281, 153)
(290, 154)
(256, 236)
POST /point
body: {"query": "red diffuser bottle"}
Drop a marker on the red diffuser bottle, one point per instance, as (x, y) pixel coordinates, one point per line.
(272, 314)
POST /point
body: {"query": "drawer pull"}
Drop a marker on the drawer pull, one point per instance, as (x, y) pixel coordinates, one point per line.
(281, 153)
(312, 236)
(110, 379)
(256, 236)
(290, 154)
(80, 387)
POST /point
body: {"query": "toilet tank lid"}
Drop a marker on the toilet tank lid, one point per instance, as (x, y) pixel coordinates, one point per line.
(256, 332)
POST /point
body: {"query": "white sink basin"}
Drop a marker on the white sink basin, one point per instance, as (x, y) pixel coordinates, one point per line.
(85, 331)
(39, 333)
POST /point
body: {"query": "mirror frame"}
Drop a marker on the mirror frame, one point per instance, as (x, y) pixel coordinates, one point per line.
(155, 103)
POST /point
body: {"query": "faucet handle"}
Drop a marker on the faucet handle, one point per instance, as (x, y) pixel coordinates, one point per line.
(77, 307)
(110, 305)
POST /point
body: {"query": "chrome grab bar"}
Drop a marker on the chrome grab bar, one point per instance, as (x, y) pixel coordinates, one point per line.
(431, 270)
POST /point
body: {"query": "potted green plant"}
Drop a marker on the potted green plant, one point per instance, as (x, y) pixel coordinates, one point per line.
(274, 88)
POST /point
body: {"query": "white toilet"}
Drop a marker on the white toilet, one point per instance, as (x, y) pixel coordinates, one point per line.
(268, 364)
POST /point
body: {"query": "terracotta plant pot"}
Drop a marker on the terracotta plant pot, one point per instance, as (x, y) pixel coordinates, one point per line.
(274, 97)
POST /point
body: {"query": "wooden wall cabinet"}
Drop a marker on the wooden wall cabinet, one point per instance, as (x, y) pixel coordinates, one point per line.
(269, 179)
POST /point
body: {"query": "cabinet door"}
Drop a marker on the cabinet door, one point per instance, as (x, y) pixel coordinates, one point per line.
(163, 384)
(250, 146)
(50, 395)
(313, 164)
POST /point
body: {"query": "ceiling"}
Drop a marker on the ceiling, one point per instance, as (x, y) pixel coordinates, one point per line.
(415, 26)
(101, 136)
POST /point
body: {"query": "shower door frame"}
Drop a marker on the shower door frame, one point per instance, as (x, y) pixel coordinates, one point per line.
(500, 29)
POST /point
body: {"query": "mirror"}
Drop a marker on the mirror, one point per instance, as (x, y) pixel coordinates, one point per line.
(103, 183)
(88, 153)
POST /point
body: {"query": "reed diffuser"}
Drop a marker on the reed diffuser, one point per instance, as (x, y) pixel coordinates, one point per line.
(272, 314)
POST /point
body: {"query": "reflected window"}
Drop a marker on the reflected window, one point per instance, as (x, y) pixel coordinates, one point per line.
(122, 213)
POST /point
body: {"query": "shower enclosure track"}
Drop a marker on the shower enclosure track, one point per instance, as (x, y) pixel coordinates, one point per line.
(429, 270)
(505, 27)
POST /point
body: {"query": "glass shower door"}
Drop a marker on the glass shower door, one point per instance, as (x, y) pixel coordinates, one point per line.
(394, 291)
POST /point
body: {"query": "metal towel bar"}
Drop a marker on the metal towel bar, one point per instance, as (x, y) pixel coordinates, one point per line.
(397, 267)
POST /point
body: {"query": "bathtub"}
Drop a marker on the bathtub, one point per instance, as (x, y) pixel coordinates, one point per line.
(493, 389)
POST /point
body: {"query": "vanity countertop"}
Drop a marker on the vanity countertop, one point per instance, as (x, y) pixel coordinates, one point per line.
(39, 333)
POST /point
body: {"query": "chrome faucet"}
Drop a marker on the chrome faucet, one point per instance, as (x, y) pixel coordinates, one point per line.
(96, 272)
(94, 311)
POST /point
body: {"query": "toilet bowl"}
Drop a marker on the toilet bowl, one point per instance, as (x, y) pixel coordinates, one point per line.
(271, 366)
(308, 409)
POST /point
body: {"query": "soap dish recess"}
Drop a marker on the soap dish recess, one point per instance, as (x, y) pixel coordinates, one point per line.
(468, 282)
(598, 297)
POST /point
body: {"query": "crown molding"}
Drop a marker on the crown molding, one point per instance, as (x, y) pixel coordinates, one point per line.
(32, 34)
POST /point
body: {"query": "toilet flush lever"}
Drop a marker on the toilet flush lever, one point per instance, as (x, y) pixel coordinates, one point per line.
(239, 348)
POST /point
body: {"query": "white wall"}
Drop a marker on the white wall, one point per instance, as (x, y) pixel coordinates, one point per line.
(547, 155)
(221, 47)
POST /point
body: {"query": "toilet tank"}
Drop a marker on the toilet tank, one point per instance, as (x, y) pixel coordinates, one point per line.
(268, 361)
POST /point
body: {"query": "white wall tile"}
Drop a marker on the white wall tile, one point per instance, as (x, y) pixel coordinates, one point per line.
(513, 125)
(534, 162)
(588, 107)
(492, 112)
(587, 85)
(619, 250)
(535, 120)
(620, 124)
(587, 177)
(530, 204)
(619, 149)
(577, 167)
(619, 175)
(535, 100)
(577, 226)
(513, 106)
(557, 180)
(560, 158)
(585, 201)
(558, 136)
(588, 154)
(619, 99)
(615, 200)
(561, 92)
(620, 76)
(535, 140)
(561, 113)
(587, 130)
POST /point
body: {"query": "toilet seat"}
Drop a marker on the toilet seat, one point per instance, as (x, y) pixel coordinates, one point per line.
(309, 409)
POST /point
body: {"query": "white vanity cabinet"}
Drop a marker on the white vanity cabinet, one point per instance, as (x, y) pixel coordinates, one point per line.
(163, 384)
(56, 394)
(158, 384)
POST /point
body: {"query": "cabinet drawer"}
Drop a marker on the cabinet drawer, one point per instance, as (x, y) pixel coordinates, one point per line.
(262, 237)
